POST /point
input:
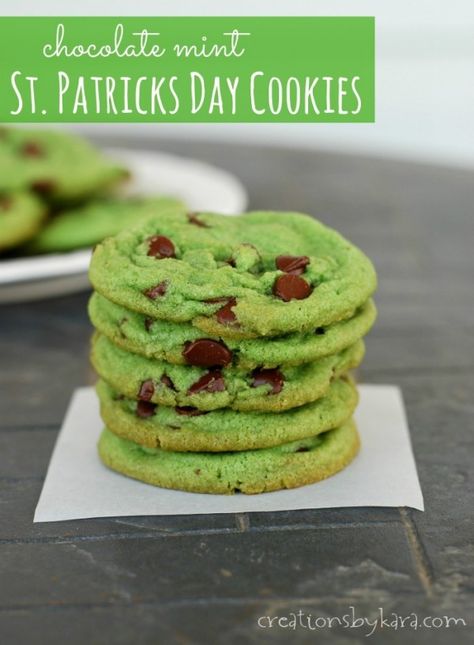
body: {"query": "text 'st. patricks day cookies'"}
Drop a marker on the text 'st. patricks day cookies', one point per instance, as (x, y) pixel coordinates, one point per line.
(261, 273)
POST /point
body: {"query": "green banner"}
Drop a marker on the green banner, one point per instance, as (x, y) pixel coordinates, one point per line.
(184, 70)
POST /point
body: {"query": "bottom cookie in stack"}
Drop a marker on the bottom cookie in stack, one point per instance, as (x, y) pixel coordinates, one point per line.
(225, 451)
(289, 465)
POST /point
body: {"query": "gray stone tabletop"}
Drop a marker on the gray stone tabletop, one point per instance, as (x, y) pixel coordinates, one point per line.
(212, 579)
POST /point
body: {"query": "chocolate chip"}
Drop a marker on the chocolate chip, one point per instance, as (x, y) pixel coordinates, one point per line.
(302, 449)
(160, 247)
(158, 290)
(213, 381)
(288, 287)
(207, 353)
(147, 389)
(43, 186)
(225, 315)
(32, 149)
(118, 397)
(165, 379)
(189, 411)
(148, 323)
(294, 264)
(194, 219)
(320, 331)
(271, 377)
(5, 202)
(145, 409)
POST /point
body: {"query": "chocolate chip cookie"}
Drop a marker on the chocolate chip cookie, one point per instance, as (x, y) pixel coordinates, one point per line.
(91, 223)
(166, 341)
(21, 215)
(210, 381)
(259, 274)
(183, 429)
(58, 165)
(288, 465)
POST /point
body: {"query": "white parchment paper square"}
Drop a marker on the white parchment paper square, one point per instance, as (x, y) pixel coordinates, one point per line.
(77, 485)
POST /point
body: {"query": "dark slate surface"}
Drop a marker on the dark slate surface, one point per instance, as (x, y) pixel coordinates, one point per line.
(207, 579)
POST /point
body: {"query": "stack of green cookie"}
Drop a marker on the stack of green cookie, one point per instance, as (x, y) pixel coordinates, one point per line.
(223, 347)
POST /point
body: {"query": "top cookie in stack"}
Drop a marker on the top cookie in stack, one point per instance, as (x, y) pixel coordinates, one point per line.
(223, 341)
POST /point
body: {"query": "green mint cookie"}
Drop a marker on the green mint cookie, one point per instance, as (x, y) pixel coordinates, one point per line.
(21, 215)
(254, 471)
(224, 430)
(166, 341)
(215, 383)
(262, 273)
(59, 165)
(87, 225)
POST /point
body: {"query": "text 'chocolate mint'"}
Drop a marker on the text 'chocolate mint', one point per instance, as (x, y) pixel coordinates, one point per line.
(207, 353)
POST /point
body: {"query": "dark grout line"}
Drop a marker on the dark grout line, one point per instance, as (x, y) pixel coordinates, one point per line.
(163, 533)
(420, 557)
(273, 601)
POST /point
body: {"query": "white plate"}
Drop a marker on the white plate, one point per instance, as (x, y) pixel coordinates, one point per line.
(201, 186)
